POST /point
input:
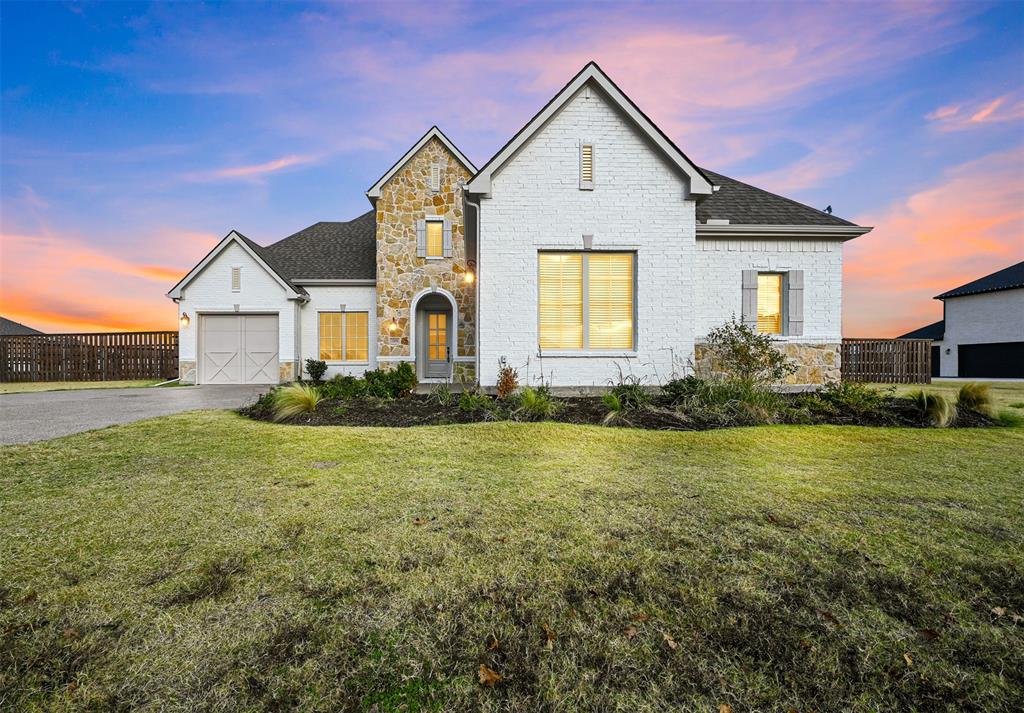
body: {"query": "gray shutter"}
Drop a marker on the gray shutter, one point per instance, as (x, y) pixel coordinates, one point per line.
(447, 237)
(795, 303)
(750, 298)
(421, 238)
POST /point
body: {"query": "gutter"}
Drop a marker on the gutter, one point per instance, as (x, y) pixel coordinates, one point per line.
(825, 232)
(476, 283)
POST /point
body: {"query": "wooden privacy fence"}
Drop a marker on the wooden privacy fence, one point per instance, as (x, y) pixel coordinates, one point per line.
(89, 357)
(887, 361)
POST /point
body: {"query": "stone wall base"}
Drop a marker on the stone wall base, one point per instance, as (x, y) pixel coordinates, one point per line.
(816, 364)
(286, 371)
(187, 373)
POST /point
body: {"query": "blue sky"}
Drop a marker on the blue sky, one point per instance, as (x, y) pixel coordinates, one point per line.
(136, 135)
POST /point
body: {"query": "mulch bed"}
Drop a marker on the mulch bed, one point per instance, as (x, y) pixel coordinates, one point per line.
(424, 410)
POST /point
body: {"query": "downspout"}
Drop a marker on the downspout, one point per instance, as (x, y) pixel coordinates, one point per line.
(476, 287)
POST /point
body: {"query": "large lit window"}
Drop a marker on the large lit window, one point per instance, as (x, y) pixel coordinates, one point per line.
(586, 300)
(435, 238)
(344, 336)
(769, 303)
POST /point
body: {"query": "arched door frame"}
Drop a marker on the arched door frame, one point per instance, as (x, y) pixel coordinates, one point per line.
(414, 326)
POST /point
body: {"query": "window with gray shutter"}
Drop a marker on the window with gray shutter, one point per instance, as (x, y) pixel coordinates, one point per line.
(750, 298)
(447, 249)
(421, 238)
(794, 303)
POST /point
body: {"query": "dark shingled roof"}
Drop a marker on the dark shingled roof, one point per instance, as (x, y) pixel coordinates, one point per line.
(1006, 279)
(743, 204)
(328, 251)
(935, 330)
(10, 328)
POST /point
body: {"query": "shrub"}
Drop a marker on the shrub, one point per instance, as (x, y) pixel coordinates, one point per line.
(403, 380)
(725, 401)
(442, 394)
(536, 404)
(295, 399)
(938, 409)
(474, 399)
(851, 397)
(747, 355)
(631, 391)
(508, 382)
(394, 384)
(976, 397)
(343, 388)
(316, 368)
(266, 401)
(682, 388)
(615, 409)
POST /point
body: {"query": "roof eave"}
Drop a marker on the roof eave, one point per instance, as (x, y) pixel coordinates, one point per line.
(828, 232)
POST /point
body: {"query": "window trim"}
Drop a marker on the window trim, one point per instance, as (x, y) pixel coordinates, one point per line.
(587, 350)
(427, 220)
(783, 306)
(344, 338)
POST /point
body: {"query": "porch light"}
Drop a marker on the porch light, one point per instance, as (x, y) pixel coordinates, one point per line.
(185, 320)
(393, 325)
(469, 277)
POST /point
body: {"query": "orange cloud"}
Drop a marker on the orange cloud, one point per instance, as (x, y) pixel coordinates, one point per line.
(966, 116)
(970, 224)
(251, 171)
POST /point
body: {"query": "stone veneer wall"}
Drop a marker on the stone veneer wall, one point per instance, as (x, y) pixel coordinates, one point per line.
(401, 275)
(816, 363)
(188, 373)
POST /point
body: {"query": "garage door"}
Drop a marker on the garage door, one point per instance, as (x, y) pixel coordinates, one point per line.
(238, 349)
(1005, 359)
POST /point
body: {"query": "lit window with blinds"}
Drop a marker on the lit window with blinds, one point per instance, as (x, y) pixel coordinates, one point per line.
(435, 238)
(586, 300)
(344, 336)
(769, 303)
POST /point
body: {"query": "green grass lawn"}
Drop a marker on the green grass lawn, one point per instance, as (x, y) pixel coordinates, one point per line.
(24, 387)
(204, 561)
(1005, 394)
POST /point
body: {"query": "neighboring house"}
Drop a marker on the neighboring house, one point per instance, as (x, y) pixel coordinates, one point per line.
(588, 244)
(10, 328)
(982, 330)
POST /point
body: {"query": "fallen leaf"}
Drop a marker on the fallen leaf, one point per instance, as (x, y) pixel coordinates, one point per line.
(828, 616)
(642, 617)
(909, 660)
(998, 611)
(1017, 618)
(929, 634)
(503, 538)
(492, 642)
(724, 708)
(488, 677)
(549, 638)
(670, 641)
(420, 521)
(630, 631)
(71, 633)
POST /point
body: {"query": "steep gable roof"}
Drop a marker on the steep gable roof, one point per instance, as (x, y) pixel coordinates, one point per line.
(700, 185)
(330, 251)
(1008, 278)
(373, 193)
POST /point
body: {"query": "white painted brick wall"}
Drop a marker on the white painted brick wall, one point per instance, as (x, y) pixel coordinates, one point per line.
(719, 274)
(210, 291)
(980, 319)
(329, 299)
(637, 204)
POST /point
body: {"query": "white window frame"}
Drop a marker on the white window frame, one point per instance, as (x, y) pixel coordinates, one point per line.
(783, 306)
(427, 219)
(344, 337)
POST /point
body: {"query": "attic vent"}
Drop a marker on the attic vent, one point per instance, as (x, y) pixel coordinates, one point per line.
(586, 166)
(435, 177)
(236, 279)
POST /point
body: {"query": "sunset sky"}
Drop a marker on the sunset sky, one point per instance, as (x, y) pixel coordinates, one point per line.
(136, 136)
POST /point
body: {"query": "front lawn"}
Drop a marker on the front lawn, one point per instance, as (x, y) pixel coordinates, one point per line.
(208, 561)
(1005, 394)
(29, 386)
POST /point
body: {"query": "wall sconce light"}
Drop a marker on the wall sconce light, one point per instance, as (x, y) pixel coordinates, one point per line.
(948, 350)
(393, 325)
(185, 320)
(469, 277)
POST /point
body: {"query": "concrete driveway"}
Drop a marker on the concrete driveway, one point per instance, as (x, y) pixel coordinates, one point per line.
(48, 414)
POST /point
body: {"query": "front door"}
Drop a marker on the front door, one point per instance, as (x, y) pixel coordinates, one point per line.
(438, 349)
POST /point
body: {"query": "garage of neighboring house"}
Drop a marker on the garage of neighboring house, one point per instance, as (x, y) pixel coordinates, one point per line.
(238, 349)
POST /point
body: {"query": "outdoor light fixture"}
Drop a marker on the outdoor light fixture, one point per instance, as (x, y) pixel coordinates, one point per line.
(185, 321)
(469, 277)
(393, 325)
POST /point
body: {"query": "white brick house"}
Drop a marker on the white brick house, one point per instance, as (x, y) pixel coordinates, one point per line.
(588, 245)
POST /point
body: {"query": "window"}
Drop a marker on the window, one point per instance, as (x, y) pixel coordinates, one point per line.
(586, 166)
(769, 302)
(344, 336)
(435, 238)
(236, 279)
(586, 300)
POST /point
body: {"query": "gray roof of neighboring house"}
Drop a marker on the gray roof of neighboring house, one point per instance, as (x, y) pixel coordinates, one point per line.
(328, 251)
(743, 204)
(10, 328)
(935, 330)
(1008, 278)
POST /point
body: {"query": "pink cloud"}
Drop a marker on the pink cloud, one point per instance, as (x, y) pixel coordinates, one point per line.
(1005, 108)
(251, 171)
(966, 226)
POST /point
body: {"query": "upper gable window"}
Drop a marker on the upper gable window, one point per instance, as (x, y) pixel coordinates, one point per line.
(236, 279)
(435, 238)
(435, 177)
(586, 166)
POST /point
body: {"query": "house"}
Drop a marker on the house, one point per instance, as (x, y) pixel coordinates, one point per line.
(588, 244)
(10, 328)
(981, 333)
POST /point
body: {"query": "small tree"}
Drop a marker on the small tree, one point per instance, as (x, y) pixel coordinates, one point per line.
(746, 355)
(508, 382)
(316, 368)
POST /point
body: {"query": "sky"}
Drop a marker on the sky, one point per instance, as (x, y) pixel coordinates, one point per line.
(134, 136)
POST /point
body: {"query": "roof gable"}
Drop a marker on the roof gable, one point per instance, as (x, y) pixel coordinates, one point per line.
(373, 193)
(1008, 278)
(700, 185)
(255, 251)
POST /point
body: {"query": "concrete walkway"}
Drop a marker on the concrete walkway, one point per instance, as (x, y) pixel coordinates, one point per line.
(48, 414)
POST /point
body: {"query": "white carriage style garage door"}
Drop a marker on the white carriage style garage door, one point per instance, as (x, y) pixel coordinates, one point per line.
(239, 349)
